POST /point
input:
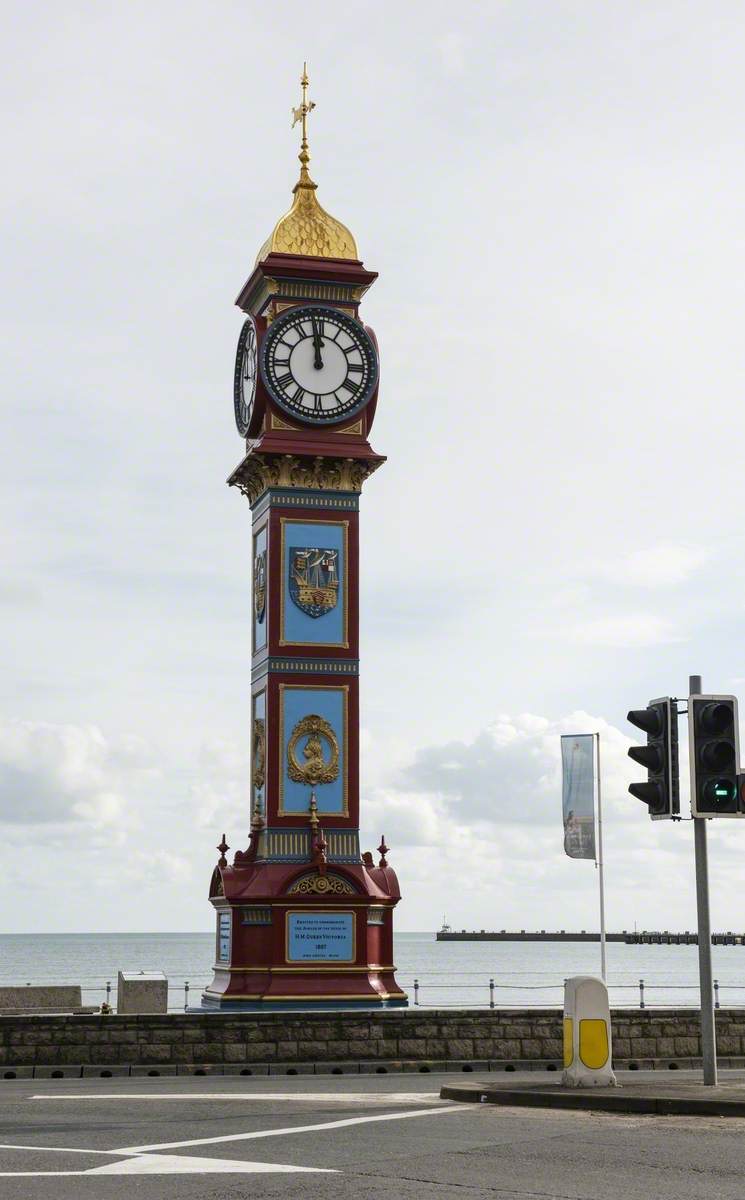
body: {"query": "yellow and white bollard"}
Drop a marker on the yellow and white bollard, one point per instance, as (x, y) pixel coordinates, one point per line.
(587, 1036)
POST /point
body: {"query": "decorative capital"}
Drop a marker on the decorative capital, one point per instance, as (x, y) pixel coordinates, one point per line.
(259, 472)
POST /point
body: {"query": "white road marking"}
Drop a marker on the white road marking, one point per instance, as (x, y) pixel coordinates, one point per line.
(140, 1160)
(287, 1132)
(305, 1097)
(56, 1149)
(176, 1164)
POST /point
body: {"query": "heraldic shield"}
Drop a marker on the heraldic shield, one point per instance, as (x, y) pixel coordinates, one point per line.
(314, 579)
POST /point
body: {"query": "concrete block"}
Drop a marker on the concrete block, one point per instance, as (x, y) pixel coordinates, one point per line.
(142, 992)
(386, 1066)
(61, 1072)
(16, 1073)
(161, 1069)
(61, 998)
(336, 1068)
(105, 1072)
(246, 1069)
(426, 1067)
(200, 1069)
(291, 1069)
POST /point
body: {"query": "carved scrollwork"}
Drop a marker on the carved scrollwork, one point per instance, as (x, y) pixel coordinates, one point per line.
(321, 885)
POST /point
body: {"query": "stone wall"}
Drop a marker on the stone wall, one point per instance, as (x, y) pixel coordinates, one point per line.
(412, 1039)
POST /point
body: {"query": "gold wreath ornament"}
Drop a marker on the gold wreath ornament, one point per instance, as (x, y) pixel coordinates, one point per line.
(315, 769)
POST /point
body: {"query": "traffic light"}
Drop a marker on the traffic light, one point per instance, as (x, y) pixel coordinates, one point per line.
(661, 792)
(714, 750)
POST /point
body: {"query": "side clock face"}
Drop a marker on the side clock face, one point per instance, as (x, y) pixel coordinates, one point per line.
(244, 382)
(318, 364)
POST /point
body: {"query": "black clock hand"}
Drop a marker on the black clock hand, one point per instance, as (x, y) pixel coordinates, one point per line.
(317, 344)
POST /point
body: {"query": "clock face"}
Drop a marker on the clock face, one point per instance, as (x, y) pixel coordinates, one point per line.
(318, 364)
(244, 383)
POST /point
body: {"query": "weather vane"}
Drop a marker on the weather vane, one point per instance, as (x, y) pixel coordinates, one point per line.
(301, 114)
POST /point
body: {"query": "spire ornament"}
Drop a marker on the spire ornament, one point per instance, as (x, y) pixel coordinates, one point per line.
(301, 113)
(307, 229)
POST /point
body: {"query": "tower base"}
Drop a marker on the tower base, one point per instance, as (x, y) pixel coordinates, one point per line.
(294, 937)
(218, 1004)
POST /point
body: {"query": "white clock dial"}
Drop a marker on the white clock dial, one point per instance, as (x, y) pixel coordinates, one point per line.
(319, 364)
(244, 381)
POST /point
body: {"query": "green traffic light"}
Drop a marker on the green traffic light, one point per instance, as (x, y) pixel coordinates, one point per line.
(720, 791)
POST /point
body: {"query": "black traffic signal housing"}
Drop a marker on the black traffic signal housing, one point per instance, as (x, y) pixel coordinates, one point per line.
(661, 792)
(714, 752)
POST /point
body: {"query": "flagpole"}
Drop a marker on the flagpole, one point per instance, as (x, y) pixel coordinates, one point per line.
(599, 864)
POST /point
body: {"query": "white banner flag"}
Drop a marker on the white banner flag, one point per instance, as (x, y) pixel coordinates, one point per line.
(578, 794)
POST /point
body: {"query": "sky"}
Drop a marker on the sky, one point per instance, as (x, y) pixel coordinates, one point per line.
(551, 192)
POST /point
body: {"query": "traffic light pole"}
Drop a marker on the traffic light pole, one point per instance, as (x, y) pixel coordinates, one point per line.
(708, 1029)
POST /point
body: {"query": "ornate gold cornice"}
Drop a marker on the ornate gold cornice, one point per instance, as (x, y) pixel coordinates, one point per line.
(321, 885)
(258, 472)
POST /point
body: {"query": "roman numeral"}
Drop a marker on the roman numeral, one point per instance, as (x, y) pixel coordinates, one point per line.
(285, 380)
(350, 387)
(354, 368)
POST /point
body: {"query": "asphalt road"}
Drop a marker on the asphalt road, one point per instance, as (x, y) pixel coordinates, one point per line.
(323, 1137)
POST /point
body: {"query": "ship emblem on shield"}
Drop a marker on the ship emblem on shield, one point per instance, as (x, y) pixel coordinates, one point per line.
(314, 579)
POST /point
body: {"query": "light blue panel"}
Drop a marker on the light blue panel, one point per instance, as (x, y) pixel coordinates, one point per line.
(260, 626)
(298, 627)
(329, 703)
(320, 937)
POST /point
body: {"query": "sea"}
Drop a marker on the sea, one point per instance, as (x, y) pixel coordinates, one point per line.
(434, 974)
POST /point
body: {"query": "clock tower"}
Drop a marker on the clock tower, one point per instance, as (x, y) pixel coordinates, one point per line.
(303, 919)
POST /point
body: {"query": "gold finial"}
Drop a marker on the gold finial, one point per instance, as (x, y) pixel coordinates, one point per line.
(313, 813)
(301, 113)
(307, 228)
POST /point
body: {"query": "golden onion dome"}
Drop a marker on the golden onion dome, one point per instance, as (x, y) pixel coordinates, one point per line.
(307, 228)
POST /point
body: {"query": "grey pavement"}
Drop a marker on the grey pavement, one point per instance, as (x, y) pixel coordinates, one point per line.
(219, 1138)
(661, 1093)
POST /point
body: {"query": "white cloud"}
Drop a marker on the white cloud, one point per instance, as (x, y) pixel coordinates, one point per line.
(452, 50)
(664, 565)
(626, 630)
(57, 773)
(509, 775)
(156, 867)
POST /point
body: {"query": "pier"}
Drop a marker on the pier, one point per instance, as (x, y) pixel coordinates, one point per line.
(633, 937)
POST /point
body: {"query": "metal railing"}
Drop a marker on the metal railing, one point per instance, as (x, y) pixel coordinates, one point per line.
(433, 992)
(640, 1000)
